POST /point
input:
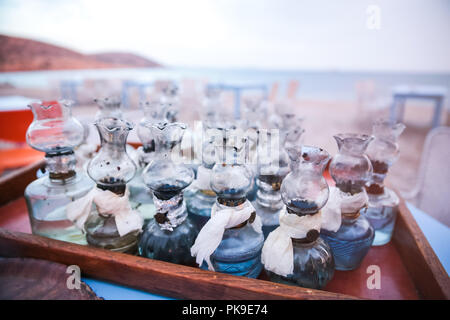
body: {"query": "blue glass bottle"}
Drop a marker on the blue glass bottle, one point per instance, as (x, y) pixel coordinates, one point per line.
(141, 196)
(305, 192)
(239, 252)
(268, 202)
(253, 116)
(273, 166)
(351, 169)
(382, 212)
(169, 240)
(200, 198)
(383, 202)
(170, 235)
(313, 265)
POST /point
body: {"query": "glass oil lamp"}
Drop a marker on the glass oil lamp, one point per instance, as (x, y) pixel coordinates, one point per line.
(239, 251)
(253, 117)
(169, 101)
(304, 192)
(383, 202)
(141, 197)
(200, 198)
(108, 107)
(55, 132)
(111, 107)
(211, 105)
(111, 169)
(351, 170)
(170, 235)
(273, 166)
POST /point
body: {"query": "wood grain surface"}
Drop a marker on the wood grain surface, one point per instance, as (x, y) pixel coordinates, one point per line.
(423, 265)
(34, 279)
(13, 185)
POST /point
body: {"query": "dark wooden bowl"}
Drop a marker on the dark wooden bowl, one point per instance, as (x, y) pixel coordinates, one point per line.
(34, 279)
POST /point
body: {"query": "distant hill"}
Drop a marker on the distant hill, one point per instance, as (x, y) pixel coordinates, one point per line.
(123, 58)
(18, 54)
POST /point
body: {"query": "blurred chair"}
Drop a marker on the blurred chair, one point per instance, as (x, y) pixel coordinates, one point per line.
(69, 90)
(432, 191)
(401, 93)
(191, 97)
(292, 89)
(92, 89)
(274, 92)
(238, 90)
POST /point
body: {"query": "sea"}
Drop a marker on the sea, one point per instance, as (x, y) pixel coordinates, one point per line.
(317, 85)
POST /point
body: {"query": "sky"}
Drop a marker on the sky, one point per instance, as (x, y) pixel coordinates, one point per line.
(344, 35)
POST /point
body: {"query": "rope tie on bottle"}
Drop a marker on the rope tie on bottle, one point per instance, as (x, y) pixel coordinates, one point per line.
(340, 203)
(222, 217)
(107, 203)
(278, 252)
(170, 213)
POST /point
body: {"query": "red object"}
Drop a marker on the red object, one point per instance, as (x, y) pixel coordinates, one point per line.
(18, 157)
(14, 124)
(47, 110)
(13, 128)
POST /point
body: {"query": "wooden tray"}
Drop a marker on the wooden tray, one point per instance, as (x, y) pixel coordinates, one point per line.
(409, 266)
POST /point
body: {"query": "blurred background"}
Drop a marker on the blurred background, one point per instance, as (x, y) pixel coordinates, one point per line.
(338, 64)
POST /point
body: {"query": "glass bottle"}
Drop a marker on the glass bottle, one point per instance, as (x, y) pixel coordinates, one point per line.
(210, 106)
(239, 252)
(200, 198)
(170, 235)
(86, 150)
(111, 169)
(286, 121)
(273, 166)
(383, 202)
(292, 130)
(111, 107)
(351, 170)
(305, 191)
(108, 107)
(141, 197)
(169, 101)
(55, 132)
(253, 116)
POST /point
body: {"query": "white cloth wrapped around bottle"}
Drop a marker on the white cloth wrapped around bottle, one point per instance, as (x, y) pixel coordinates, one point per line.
(222, 217)
(341, 202)
(203, 180)
(278, 252)
(331, 212)
(107, 202)
(351, 203)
